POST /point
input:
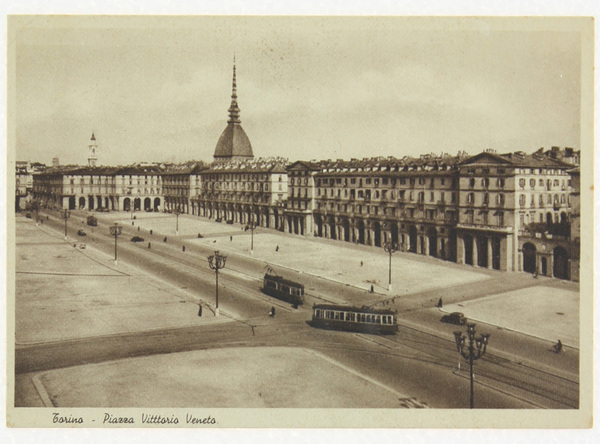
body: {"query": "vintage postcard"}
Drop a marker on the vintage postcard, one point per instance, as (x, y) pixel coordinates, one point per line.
(299, 222)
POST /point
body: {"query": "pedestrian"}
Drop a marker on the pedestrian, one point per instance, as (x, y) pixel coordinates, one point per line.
(277, 248)
(138, 228)
(149, 246)
(361, 263)
(199, 310)
(272, 312)
(165, 239)
(372, 289)
(183, 248)
(150, 232)
(439, 304)
(230, 238)
(132, 223)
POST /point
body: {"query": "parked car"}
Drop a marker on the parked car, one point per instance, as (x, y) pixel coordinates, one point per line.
(137, 239)
(82, 246)
(454, 318)
(92, 221)
(81, 233)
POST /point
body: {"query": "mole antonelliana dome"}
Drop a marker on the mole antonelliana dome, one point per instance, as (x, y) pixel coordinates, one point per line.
(233, 143)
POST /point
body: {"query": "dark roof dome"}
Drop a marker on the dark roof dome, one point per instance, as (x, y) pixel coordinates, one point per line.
(234, 142)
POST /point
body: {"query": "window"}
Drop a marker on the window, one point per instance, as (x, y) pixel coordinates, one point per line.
(532, 183)
(500, 219)
(471, 198)
(522, 183)
(471, 182)
(486, 199)
(484, 217)
(469, 215)
(485, 182)
(432, 197)
(522, 200)
(500, 199)
(353, 181)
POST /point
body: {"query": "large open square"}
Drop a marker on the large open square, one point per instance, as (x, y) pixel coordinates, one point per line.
(64, 292)
(249, 377)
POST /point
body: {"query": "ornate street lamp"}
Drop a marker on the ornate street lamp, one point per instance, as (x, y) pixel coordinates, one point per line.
(65, 215)
(115, 231)
(252, 223)
(177, 212)
(474, 351)
(390, 247)
(217, 262)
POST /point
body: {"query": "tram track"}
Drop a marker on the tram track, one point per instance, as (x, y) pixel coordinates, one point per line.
(551, 390)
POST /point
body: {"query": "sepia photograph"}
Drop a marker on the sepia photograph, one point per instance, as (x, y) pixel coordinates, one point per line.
(294, 221)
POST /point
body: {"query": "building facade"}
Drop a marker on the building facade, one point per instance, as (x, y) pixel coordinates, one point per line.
(251, 192)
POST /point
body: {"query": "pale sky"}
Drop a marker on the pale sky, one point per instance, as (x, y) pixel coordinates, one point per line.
(158, 89)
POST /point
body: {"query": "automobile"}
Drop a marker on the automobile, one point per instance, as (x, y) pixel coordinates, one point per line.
(230, 221)
(454, 318)
(92, 221)
(81, 233)
(82, 246)
(28, 215)
(137, 239)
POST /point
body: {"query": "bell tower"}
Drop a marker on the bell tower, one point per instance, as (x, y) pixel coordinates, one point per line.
(93, 152)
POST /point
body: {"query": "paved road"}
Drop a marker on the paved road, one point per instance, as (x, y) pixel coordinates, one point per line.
(517, 372)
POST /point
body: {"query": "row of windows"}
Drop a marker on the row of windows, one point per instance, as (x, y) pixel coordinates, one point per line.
(486, 199)
(551, 199)
(484, 218)
(485, 182)
(383, 181)
(354, 317)
(549, 183)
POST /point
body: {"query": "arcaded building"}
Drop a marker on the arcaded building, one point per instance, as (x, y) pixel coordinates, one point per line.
(474, 210)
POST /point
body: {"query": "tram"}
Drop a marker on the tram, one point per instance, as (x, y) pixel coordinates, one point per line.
(283, 289)
(363, 319)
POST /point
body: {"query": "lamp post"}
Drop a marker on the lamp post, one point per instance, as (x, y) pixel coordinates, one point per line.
(474, 351)
(115, 231)
(390, 247)
(177, 221)
(252, 223)
(65, 215)
(217, 262)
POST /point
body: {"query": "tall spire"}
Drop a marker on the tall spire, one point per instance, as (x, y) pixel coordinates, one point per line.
(234, 110)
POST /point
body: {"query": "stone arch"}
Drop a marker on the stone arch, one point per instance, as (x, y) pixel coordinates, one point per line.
(529, 257)
(412, 234)
(346, 226)
(72, 203)
(433, 240)
(147, 204)
(468, 249)
(377, 234)
(157, 204)
(361, 231)
(81, 203)
(394, 231)
(137, 204)
(127, 204)
(561, 263)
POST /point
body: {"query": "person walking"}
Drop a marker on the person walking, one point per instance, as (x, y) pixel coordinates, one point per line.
(272, 312)
(372, 288)
(277, 248)
(439, 304)
(230, 238)
(361, 263)
(149, 246)
(199, 310)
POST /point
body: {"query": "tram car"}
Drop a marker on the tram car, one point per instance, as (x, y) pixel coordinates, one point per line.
(283, 289)
(363, 319)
